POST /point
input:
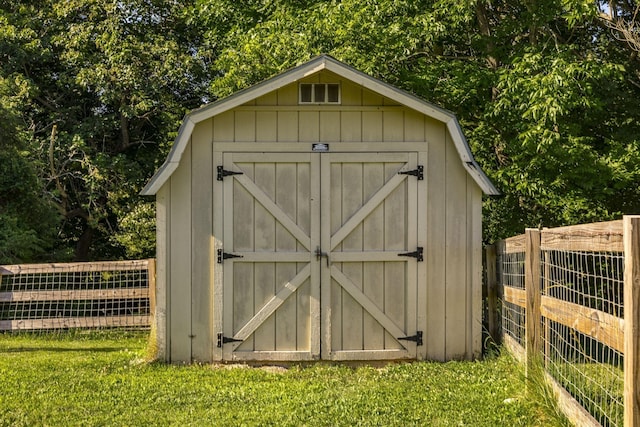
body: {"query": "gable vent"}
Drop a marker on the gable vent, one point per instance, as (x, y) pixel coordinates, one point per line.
(319, 93)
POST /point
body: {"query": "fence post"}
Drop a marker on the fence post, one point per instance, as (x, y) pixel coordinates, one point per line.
(631, 320)
(532, 289)
(492, 294)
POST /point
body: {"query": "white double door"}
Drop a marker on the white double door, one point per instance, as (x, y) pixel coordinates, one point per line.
(320, 256)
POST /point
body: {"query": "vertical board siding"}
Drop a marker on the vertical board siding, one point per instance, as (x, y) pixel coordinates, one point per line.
(163, 265)
(373, 239)
(474, 281)
(456, 255)
(180, 288)
(449, 300)
(351, 93)
(266, 126)
(223, 127)
(351, 126)
(265, 273)
(330, 126)
(245, 126)
(395, 224)
(435, 339)
(309, 126)
(287, 126)
(201, 234)
(286, 198)
(352, 199)
(393, 125)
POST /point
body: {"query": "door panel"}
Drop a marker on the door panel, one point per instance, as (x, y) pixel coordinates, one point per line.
(271, 291)
(368, 291)
(356, 208)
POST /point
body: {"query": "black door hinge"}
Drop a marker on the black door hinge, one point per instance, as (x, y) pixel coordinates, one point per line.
(418, 173)
(223, 340)
(224, 255)
(222, 173)
(417, 338)
(417, 254)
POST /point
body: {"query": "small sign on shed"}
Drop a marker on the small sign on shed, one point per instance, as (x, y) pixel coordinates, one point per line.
(321, 214)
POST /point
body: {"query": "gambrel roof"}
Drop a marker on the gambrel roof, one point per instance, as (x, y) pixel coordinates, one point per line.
(323, 62)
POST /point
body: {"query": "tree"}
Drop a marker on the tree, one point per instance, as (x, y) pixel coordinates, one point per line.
(541, 90)
(107, 86)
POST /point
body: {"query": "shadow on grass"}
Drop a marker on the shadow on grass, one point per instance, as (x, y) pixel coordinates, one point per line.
(62, 349)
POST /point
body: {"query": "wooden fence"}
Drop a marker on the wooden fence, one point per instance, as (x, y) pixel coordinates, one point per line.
(77, 295)
(568, 299)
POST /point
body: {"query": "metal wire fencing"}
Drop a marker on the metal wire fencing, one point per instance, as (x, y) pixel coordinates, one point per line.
(511, 257)
(49, 297)
(585, 354)
(577, 299)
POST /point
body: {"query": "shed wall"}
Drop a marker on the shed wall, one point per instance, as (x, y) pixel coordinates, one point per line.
(185, 214)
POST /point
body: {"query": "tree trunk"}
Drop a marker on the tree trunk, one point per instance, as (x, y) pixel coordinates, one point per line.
(83, 245)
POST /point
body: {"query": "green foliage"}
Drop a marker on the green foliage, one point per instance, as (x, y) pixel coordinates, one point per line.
(93, 94)
(103, 87)
(96, 378)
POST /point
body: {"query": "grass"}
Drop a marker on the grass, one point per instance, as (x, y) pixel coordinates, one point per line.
(102, 379)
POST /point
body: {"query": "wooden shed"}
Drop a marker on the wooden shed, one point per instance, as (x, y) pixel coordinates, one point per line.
(321, 214)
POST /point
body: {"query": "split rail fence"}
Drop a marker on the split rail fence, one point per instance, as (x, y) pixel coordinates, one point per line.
(77, 295)
(569, 301)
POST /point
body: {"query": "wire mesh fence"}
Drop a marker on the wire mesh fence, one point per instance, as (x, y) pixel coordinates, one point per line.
(511, 257)
(589, 368)
(36, 297)
(581, 288)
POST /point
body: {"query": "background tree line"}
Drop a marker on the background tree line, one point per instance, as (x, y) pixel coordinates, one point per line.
(92, 93)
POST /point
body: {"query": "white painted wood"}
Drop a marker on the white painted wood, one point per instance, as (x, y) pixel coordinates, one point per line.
(180, 279)
(367, 224)
(287, 126)
(474, 244)
(356, 218)
(201, 229)
(315, 326)
(330, 126)
(330, 294)
(217, 269)
(266, 126)
(309, 126)
(273, 304)
(265, 237)
(355, 292)
(343, 147)
(350, 126)
(352, 310)
(245, 126)
(457, 304)
(161, 315)
(269, 298)
(289, 225)
(422, 279)
(393, 125)
(372, 126)
(373, 239)
(286, 198)
(374, 91)
(435, 171)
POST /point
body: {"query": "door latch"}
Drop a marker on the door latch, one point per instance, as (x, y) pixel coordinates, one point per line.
(320, 254)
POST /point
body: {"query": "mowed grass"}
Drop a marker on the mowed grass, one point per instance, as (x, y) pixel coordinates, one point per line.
(102, 379)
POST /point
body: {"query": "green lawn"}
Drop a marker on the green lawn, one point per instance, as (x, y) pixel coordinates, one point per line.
(103, 380)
